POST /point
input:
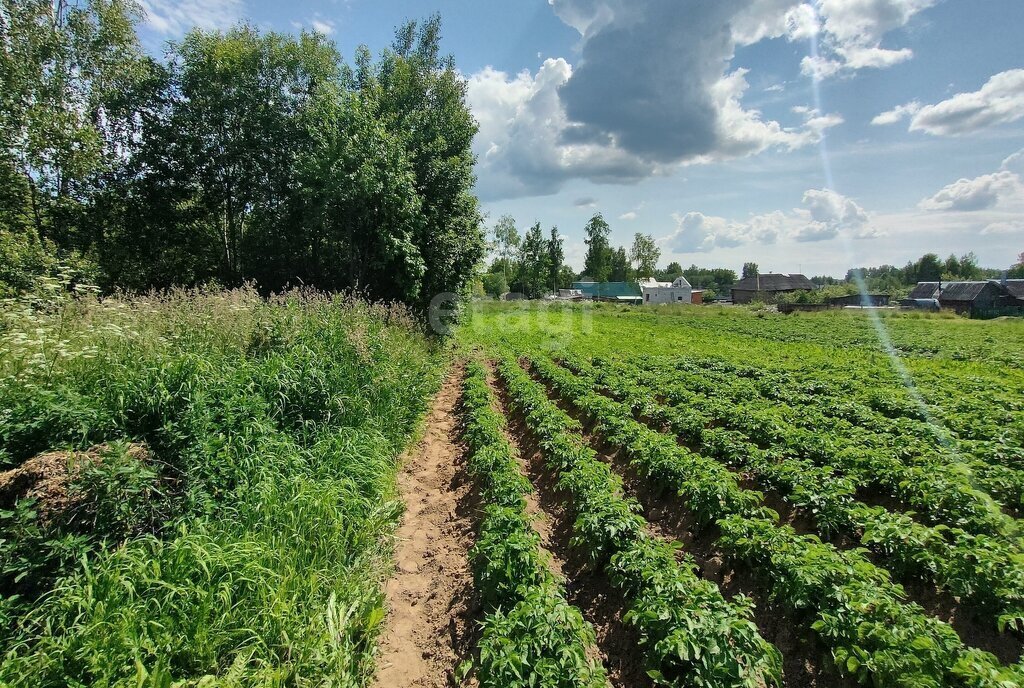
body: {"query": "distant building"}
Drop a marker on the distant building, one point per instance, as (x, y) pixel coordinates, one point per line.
(975, 298)
(767, 288)
(608, 291)
(655, 292)
(870, 300)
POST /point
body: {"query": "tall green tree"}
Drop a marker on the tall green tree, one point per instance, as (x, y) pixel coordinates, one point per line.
(1017, 270)
(506, 242)
(422, 96)
(68, 71)
(241, 99)
(750, 270)
(671, 272)
(360, 212)
(928, 268)
(556, 258)
(597, 264)
(644, 255)
(619, 269)
(248, 155)
(533, 264)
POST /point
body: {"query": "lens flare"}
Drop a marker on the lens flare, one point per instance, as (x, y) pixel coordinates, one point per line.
(939, 432)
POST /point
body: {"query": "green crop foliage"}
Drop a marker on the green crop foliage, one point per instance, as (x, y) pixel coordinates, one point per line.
(911, 451)
(532, 637)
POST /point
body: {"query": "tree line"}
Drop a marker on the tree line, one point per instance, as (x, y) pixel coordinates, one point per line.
(928, 268)
(241, 156)
(533, 265)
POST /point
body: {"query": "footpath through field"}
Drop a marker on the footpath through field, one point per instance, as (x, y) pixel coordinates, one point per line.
(430, 596)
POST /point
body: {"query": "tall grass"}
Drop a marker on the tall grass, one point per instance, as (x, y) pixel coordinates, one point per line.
(276, 425)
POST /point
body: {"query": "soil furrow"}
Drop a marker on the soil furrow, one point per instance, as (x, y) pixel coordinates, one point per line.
(805, 663)
(973, 629)
(432, 607)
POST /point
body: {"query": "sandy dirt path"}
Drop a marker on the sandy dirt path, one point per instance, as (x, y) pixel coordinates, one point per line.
(430, 598)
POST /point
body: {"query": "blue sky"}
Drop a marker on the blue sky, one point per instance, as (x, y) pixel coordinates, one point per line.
(805, 136)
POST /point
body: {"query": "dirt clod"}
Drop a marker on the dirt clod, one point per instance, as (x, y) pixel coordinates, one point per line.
(47, 478)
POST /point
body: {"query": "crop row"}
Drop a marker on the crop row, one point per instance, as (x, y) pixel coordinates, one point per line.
(859, 613)
(693, 635)
(976, 567)
(531, 635)
(942, 491)
(880, 420)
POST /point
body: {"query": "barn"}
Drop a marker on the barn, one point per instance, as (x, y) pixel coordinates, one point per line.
(768, 287)
(975, 298)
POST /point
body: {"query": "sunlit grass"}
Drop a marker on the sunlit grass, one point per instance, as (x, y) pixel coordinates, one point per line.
(276, 426)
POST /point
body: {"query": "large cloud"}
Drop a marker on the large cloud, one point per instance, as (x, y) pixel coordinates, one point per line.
(652, 89)
(999, 101)
(830, 213)
(981, 193)
(825, 215)
(520, 147)
(700, 233)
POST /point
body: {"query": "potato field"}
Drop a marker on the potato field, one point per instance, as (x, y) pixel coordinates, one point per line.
(823, 500)
(215, 489)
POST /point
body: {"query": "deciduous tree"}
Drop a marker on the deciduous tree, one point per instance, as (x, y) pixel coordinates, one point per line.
(597, 264)
(644, 255)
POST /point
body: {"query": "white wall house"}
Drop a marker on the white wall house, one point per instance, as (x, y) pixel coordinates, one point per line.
(655, 292)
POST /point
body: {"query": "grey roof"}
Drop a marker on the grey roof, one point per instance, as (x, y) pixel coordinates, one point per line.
(774, 282)
(962, 291)
(965, 291)
(924, 290)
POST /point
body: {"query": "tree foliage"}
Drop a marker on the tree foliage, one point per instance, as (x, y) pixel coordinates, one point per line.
(555, 261)
(644, 255)
(247, 155)
(598, 262)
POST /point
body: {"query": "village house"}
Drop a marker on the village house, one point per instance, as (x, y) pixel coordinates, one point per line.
(974, 298)
(655, 292)
(768, 287)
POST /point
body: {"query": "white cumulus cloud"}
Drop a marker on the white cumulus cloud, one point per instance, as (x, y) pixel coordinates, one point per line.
(824, 215)
(999, 101)
(851, 33)
(897, 114)
(980, 193)
(652, 89)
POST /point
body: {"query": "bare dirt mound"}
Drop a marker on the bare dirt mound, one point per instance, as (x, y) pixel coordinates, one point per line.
(431, 603)
(47, 477)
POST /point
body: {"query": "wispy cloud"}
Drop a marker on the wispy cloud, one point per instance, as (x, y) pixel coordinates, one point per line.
(176, 17)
